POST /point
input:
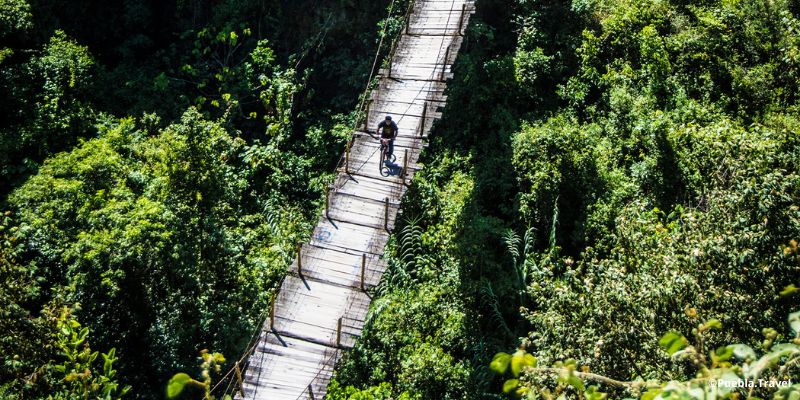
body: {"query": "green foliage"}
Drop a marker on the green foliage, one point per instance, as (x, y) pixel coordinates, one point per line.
(517, 363)
(673, 181)
(211, 363)
(741, 180)
(189, 218)
(728, 372)
(79, 381)
(48, 92)
(26, 342)
(15, 16)
(661, 169)
(384, 391)
(55, 362)
(169, 229)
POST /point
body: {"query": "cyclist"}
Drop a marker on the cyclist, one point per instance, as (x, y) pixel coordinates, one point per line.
(388, 131)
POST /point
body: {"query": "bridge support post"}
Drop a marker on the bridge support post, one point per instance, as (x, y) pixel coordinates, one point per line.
(272, 312)
(444, 62)
(424, 117)
(310, 392)
(339, 332)
(386, 213)
(347, 156)
(363, 270)
(328, 203)
(366, 115)
(405, 166)
(300, 259)
(408, 15)
(239, 378)
(461, 20)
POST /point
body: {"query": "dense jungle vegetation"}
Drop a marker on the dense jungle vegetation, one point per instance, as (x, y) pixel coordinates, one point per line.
(612, 181)
(158, 162)
(609, 177)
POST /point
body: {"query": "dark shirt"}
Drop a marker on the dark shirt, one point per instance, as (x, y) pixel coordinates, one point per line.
(389, 130)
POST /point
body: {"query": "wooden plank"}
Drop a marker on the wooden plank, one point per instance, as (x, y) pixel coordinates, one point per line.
(349, 238)
(339, 268)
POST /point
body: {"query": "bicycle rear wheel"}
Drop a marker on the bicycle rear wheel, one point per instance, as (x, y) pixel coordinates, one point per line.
(383, 168)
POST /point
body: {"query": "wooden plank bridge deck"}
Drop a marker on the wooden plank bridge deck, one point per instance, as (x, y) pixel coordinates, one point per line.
(322, 305)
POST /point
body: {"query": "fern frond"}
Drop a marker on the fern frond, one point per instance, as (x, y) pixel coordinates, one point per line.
(375, 309)
(490, 300)
(553, 226)
(410, 246)
(529, 240)
(512, 244)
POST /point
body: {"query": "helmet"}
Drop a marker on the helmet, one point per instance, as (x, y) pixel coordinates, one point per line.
(388, 117)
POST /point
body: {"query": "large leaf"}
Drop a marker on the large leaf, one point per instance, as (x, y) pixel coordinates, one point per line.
(500, 363)
(521, 359)
(713, 323)
(176, 384)
(722, 354)
(575, 382)
(770, 359)
(673, 342)
(510, 385)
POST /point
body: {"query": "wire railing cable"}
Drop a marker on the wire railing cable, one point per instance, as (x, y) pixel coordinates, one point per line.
(243, 361)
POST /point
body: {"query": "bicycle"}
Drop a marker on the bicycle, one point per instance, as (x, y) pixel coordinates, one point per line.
(384, 167)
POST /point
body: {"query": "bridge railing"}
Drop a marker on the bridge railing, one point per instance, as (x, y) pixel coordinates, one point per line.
(235, 375)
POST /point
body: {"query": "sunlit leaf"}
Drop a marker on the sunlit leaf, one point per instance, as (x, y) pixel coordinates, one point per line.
(713, 323)
(521, 359)
(510, 385)
(575, 382)
(673, 342)
(176, 384)
(651, 394)
(789, 290)
(500, 363)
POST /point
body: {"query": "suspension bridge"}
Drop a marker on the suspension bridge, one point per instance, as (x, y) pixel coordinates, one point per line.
(322, 304)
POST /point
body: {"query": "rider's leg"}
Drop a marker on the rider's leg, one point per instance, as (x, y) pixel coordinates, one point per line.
(390, 151)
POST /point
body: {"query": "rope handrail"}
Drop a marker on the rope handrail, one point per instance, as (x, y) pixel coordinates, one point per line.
(243, 363)
(250, 347)
(342, 159)
(367, 87)
(433, 73)
(253, 343)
